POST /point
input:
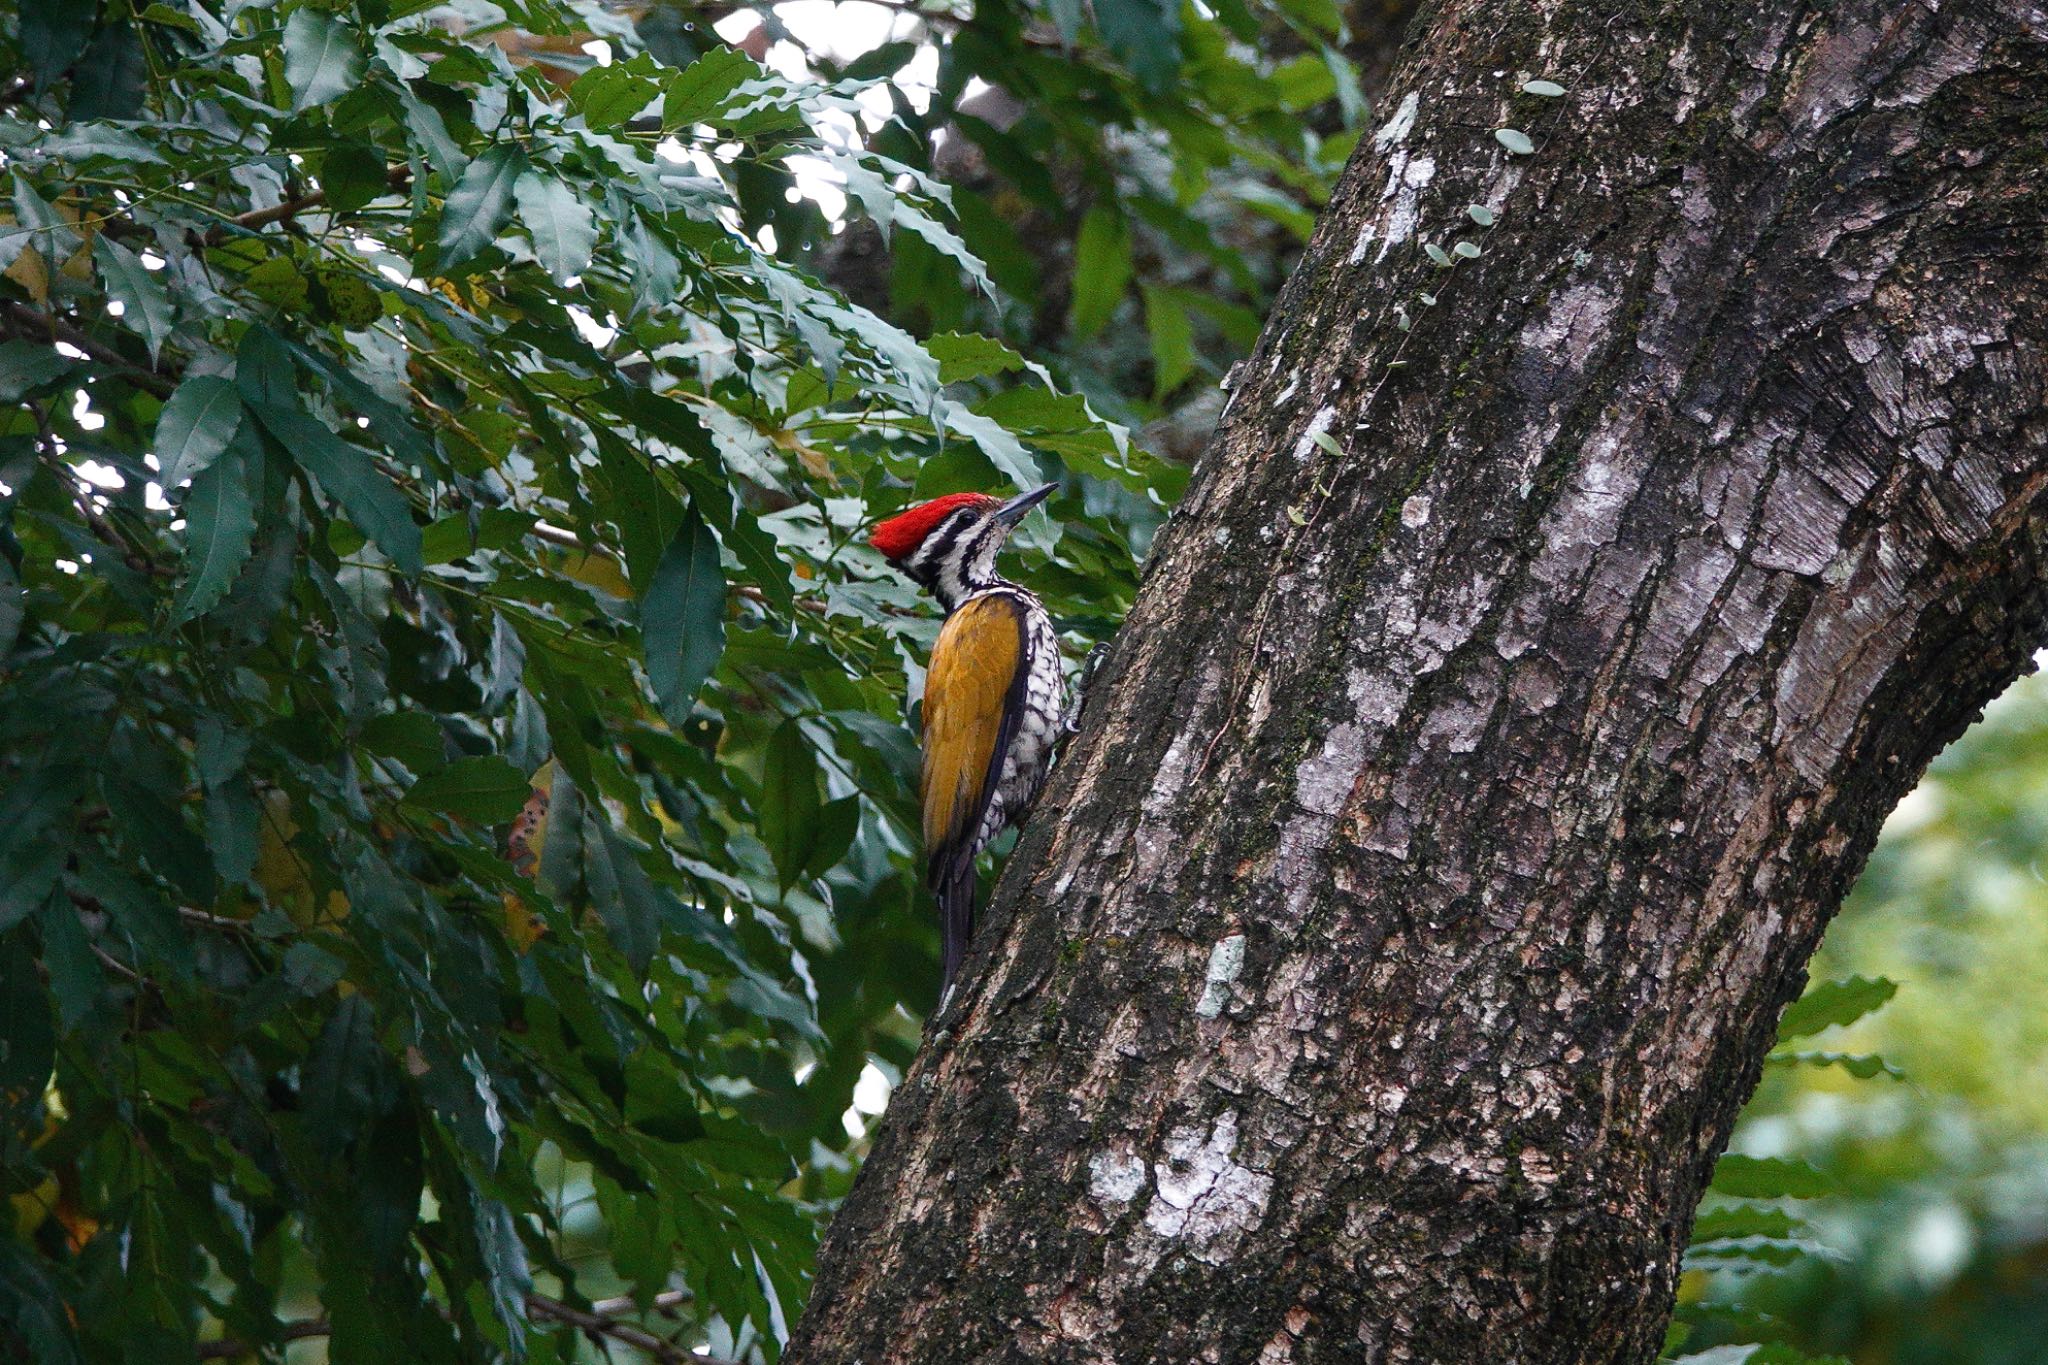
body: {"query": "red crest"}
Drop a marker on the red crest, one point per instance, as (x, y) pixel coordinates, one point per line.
(901, 534)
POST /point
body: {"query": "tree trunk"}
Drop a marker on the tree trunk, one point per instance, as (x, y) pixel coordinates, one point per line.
(1508, 706)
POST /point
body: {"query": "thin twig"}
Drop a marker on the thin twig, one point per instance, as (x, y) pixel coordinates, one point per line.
(555, 535)
(667, 1301)
(606, 1327)
(601, 1320)
(119, 967)
(213, 921)
(228, 1347)
(133, 552)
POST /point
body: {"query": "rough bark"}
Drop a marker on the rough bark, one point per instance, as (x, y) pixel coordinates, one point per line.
(1507, 708)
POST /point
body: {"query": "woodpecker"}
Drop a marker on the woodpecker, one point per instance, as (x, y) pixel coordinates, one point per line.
(994, 694)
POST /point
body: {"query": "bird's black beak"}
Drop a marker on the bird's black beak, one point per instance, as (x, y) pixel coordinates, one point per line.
(1013, 511)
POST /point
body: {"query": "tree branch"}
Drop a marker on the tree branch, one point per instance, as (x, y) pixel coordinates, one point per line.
(396, 178)
(20, 320)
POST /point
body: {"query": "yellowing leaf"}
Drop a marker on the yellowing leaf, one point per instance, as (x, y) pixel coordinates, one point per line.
(282, 873)
(598, 571)
(816, 462)
(29, 270)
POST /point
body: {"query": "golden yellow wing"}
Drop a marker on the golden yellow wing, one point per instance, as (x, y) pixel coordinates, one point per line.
(967, 694)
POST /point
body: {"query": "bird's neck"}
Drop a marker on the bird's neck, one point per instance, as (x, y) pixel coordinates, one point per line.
(951, 589)
(968, 567)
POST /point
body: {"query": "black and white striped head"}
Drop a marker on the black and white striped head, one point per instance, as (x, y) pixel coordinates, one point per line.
(948, 545)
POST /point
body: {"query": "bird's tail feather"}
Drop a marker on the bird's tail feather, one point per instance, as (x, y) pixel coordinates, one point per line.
(954, 883)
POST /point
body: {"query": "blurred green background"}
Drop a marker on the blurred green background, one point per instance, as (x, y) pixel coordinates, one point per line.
(1930, 1246)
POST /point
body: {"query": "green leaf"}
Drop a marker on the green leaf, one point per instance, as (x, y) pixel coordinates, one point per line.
(160, 13)
(619, 888)
(411, 737)
(1173, 340)
(646, 512)
(463, 534)
(607, 96)
(682, 618)
(563, 854)
(28, 1035)
(353, 175)
(788, 811)
(429, 133)
(484, 789)
(1548, 89)
(1755, 1177)
(1747, 1253)
(1436, 253)
(36, 223)
(279, 283)
(503, 1259)
(92, 140)
(838, 825)
(339, 1086)
(220, 523)
(152, 830)
(1467, 250)
(1515, 140)
(388, 422)
(700, 89)
(967, 355)
(1102, 270)
(13, 608)
(220, 752)
(1479, 214)
(30, 1302)
(233, 829)
(479, 204)
(1743, 1220)
(310, 969)
(321, 61)
(108, 80)
(196, 426)
(145, 307)
(26, 366)
(563, 231)
(77, 982)
(1862, 1065)
(345, 472)
(1831, 1003)
(1145, 35)
(656, 269)
(52, 36)
(264, 372)
(1304, 82)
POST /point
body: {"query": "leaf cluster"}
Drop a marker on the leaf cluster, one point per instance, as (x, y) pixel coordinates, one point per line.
(455, 830)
